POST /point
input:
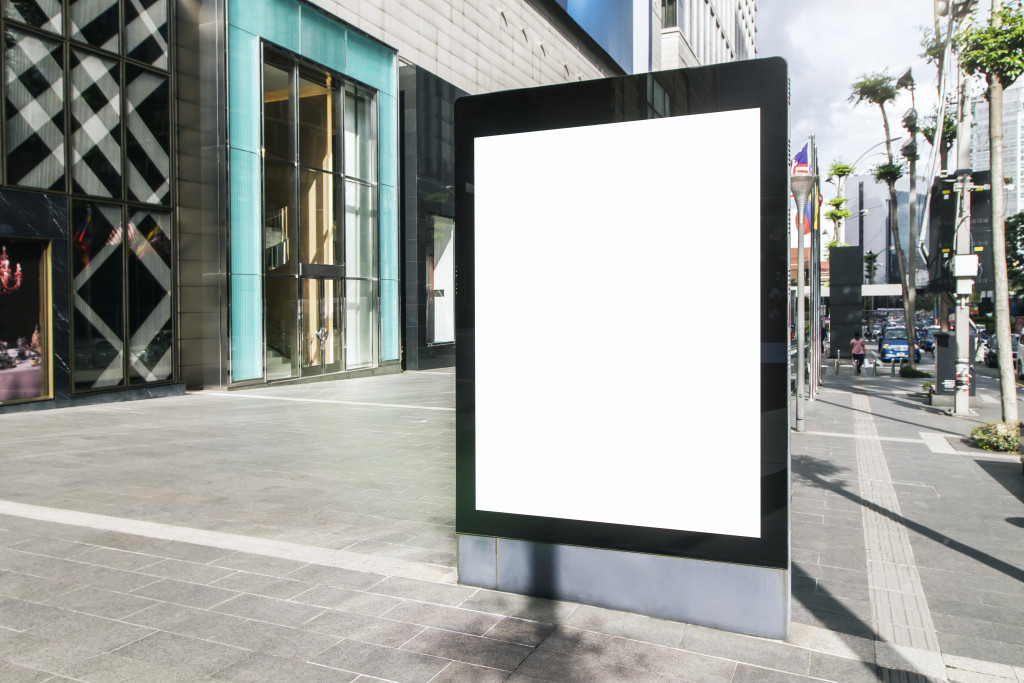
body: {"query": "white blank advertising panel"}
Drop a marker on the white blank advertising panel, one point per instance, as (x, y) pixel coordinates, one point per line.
(617, 316)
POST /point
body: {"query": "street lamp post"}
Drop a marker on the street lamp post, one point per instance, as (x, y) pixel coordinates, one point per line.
(800, 186)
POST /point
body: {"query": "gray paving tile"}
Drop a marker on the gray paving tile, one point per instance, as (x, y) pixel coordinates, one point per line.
(91, 632)
(51, 547)
(746, 673)
(363, 628)
(109, 579)
(109, 668)
(47, 655)
(437, 616)
(987, 650)
(20, 615)
(13, 673)
(183, 620)
(171, 650)
(181, 570)
(29, 587)
(522, 606)
(258, 564)
(185, 593)
(335, 576)
(280, 641)
(271, 610)
(746, 649)
(424, 591)
(520, 631)
(116, 559)
(626, 625)
(260, 668)
(462, 647)
(382, 662)
(348, 600)
(263, 584)
(549, 665)
(841, 670)
(190, 552)
(460, 672)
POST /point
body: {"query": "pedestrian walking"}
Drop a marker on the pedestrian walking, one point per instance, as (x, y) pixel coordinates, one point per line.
(857, 350)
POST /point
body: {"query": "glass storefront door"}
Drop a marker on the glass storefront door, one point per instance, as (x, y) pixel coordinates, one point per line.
(320, 325)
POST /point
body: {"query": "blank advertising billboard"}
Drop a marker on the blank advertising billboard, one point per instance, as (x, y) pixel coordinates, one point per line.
(616, 241)
(621, 314)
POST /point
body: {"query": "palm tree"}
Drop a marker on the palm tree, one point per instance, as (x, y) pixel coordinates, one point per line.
(879, 89)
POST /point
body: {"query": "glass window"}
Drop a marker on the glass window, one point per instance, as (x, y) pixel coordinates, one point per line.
(279, 216)
(34, 77)
(358, 324)
(145, 31)
(24, 321)
(97, 23)
(148, 139)
(95, 125)
(277, 116)
(98, 292)
(149, 296)
(668, 13)
(44, 14)
(318, 232)
(317, 121)
(441, 281)
(360, 145)
(359, 230)
(281, 316)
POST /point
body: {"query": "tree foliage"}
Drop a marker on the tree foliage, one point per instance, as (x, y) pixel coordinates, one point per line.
(995, 50)
(878, 88)
(888, 172)
(870, 266)
(948, 128)
(839, 170)
(1015, 252)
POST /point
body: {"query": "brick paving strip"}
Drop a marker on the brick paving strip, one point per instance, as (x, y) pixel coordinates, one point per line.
(898, 603)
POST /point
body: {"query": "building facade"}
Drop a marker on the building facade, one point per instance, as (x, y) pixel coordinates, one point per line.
(1013, 142)
(697, 32)
(227, 193)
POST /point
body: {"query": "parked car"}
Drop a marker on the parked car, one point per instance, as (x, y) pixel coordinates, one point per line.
(925, 340)
(992, 351)
(893, 345)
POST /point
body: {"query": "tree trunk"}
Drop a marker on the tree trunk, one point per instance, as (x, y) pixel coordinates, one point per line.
(894, 228)
(1007, 383)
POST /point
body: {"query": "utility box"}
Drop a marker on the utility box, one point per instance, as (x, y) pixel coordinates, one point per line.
(945, 363)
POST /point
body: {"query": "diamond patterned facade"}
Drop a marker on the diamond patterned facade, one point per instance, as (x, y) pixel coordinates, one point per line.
(34, 80)
(149, 296)
(146, 31)
(44, 14)
(96, 22)
(148, 137)
(95, 125)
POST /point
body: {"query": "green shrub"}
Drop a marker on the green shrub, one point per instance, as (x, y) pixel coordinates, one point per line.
(997, 436)
(927, 387)
(907, 371)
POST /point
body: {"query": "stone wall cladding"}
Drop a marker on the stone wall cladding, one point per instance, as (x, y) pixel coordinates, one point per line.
(478, 46)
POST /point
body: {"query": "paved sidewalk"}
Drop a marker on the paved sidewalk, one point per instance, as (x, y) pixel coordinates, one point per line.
(306, 533)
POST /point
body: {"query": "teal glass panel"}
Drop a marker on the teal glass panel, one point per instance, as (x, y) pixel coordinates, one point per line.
(246, 202)
(388, 320)
(275, 20)
(371, 63)
(388, 233)
(388, 131)
(246, 324)
(244, 85)
(322, 40)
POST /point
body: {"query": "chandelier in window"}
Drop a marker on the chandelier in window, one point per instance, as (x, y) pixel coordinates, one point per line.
(9, 280)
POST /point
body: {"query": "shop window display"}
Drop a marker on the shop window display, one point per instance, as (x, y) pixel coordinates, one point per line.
(24, 321)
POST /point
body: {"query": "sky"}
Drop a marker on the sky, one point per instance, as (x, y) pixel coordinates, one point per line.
(829, 44)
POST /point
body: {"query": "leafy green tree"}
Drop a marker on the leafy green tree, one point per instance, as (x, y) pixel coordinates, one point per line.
(838, 172)
(870, 266)
(997, 52)
(949, 130)
(837, 214)
(879, 89)
(1015, 253)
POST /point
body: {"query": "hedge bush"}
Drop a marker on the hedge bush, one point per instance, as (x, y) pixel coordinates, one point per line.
(907, 371)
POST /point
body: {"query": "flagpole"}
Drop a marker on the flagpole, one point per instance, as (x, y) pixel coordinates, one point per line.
(815, 274)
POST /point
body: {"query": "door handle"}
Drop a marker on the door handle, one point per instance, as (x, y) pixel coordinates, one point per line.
(321, 334)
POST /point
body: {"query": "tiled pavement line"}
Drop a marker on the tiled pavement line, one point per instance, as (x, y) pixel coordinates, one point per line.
(262, 546)
(266, 397)
(901, 614)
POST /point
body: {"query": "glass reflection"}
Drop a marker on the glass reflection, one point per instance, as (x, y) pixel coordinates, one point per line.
(278, 216)
(24, 321)
(316, 121)
(360, 161)
(359, 324)
(277, 130)
(318, 232)
(281, 315)
(359, 230)
(149, 297)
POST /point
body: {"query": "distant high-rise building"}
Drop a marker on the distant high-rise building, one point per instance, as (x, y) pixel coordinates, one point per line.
(696, 32)
(1013, 142)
